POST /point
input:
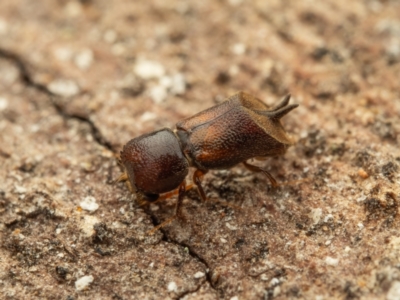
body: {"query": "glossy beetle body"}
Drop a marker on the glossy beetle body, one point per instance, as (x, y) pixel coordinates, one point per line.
(230, 133)
(241, 128)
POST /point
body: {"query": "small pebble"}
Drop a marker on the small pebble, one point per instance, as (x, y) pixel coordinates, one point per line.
(147, 69)
(64, 87)
(198, 275)
(274, 281)
(178, 84)
(330, 261)
(83, 282)
(89, 204)
(87, 225)
(84, 59)
(158, 93)
(316, 215)
(172, 287)
(238, 49)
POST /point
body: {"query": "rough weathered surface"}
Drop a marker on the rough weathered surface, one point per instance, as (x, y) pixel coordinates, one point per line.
(78, 79)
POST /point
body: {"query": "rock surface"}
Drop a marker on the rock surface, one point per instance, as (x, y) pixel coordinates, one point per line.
(78, 79)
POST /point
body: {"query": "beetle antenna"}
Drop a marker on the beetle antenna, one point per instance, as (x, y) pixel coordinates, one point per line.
(280, 110)
(277, 114)
(285, 101)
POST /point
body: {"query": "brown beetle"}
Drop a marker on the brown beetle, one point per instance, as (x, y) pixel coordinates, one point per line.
(241, 128)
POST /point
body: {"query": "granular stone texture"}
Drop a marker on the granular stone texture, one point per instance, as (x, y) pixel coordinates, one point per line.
(79, 79)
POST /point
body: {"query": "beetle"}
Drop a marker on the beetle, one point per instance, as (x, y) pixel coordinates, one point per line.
(241, 128)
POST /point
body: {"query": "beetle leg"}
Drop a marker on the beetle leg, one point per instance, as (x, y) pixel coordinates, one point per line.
(142, 199)
(258, 169)
(167, 195)
(129, 185)
(197, 176)
(181, 196)
(123, 177)
(178, 209)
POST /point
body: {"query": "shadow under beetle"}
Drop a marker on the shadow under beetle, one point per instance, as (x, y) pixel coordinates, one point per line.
(241, 128)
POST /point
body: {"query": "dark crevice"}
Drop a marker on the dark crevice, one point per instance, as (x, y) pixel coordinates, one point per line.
(26, 78)
(195, 256)
(192, 253)
(23, 70)
(96, 134)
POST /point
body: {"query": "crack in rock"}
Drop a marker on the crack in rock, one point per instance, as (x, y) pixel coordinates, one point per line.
(194, 255)
(166, 238)
(27, 79)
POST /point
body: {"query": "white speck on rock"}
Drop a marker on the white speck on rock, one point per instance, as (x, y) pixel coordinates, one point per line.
(394, 291)
(147, 69)
(360, 226)
(238, 49)
(330, 261)
(315, 215)
(20, 189)
(89, 204)
(234, 298)
(154, 207)
(84, 59)
(87, 225)
(277, 291)
(264, 277)
(231, 227)
(361, 199)
(3, 103)
(158, 93)
(199, 275)
(328, 217)
(64, 87)
(178, 84)
(223, 240)
(274, 282)
(33, 269)
(166, 81)
(83, 282)
(172, 287)
(147, 116)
